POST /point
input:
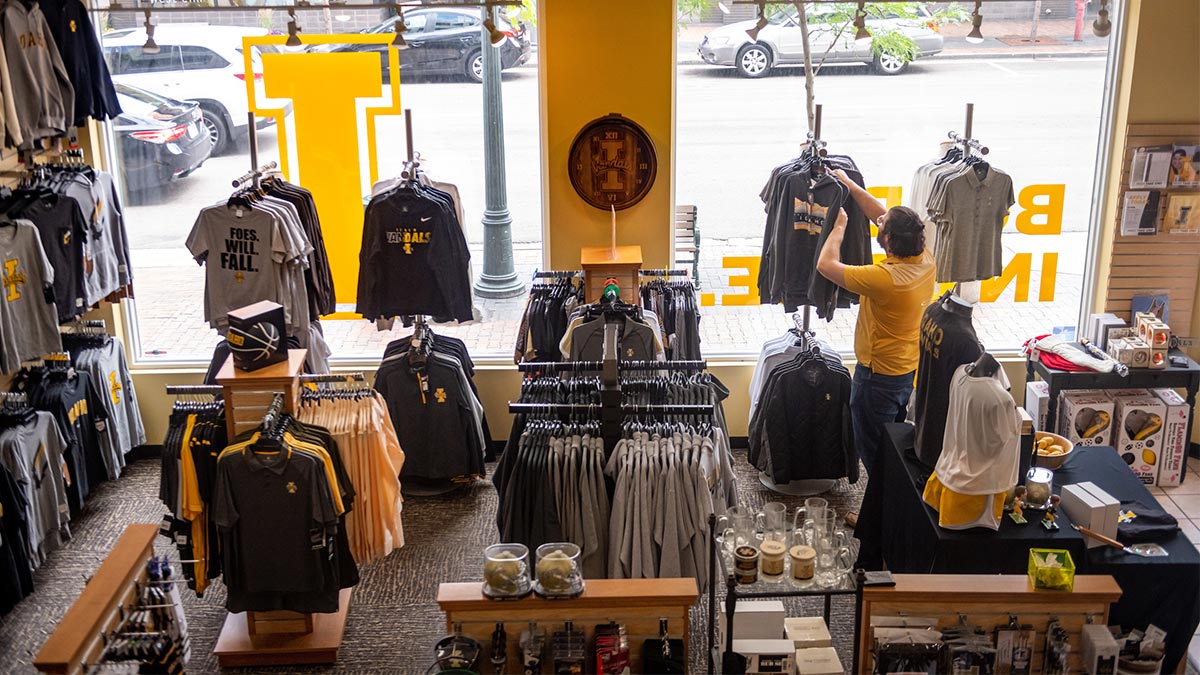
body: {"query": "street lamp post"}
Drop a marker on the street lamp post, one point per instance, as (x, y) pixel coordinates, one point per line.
(499, 278)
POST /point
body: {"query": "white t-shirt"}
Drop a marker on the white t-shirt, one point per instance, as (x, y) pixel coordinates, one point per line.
(981, 452)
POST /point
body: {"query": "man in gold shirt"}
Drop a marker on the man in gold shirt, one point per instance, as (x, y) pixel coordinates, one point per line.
(893, 295)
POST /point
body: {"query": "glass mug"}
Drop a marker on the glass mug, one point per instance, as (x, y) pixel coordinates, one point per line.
(833, 549)
(813, 509)
(774, 522)
(738, 527)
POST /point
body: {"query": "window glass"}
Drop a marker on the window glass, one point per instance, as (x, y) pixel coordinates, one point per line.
(415, 23)
(134, 60)
(201, 58)
(452, 20)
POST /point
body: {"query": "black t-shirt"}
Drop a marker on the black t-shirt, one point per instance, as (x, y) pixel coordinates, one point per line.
(16, 576)
(948, 341)
(62, 229)
(271, 510)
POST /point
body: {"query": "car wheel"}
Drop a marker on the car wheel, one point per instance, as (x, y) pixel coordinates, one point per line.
(754, 61)
(886, 64)
(218, 130)
(473, 67)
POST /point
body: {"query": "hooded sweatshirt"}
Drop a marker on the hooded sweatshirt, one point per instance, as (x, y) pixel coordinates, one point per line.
(42, 92)
(10, 128)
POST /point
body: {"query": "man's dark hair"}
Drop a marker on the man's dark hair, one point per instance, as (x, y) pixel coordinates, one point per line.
(1179, 152)
(905, 231)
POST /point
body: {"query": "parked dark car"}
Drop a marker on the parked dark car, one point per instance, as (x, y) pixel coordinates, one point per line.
(161, 139)
(445, 41)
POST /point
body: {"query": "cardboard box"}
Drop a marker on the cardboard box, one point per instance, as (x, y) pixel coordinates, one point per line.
(1113, 393)
(1141, 353)
(818, 661)
(1037, 403)
(767, 656)
(807, 632)
(1093, 331)
(754, 620)
(1158, 334)
(1100, 650)
(1105, 326)
(1118, 333)
(1158, 359)
(257, 335)
(1139, 422)
(1089, 506)
(1121, 350)
(1086, 418)
(1174, 444)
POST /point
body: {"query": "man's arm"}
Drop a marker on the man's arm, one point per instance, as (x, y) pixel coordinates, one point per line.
(865, 200)
(829, 263)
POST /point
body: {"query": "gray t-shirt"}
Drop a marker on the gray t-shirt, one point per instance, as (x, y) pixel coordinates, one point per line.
(240, 254)
(124, 431)
(968, 233)
(33, 453)
(28, 321)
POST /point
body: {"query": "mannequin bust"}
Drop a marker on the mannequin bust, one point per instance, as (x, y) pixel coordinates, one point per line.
(985, 366)
(966, 293)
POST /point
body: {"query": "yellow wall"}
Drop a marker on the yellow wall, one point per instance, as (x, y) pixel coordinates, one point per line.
(587, 70)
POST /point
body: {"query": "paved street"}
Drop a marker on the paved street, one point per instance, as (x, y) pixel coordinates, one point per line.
(1040, 118)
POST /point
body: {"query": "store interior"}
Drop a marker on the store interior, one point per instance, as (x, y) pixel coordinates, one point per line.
(609, 496)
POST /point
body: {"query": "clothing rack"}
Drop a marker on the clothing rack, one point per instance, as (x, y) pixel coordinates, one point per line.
(13, 398)
(598, 366)
(254, 175)
(194, 390)
(558, 274)
(965, 139)
(336, 378)
(815, 148)
(663, 273)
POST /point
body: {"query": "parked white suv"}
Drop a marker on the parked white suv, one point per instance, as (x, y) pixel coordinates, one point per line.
(197, 62)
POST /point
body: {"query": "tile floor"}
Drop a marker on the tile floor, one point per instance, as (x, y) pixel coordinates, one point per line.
(1183, 502)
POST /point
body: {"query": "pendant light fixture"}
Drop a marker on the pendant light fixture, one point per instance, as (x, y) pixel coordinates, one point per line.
(1102, 26)
(761, 24)
(151, 47)
(293, 30)
(976, 35)
(860, 22)
(398, 41)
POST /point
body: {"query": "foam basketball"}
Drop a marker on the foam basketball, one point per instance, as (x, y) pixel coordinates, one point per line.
(258, 342)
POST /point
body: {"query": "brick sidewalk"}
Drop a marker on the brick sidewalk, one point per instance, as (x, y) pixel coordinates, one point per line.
(170, 316)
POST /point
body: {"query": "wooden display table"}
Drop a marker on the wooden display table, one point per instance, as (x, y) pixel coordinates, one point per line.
(638, 604)
(989, 600)
(599, 264)
(78, 640)
(248, 394)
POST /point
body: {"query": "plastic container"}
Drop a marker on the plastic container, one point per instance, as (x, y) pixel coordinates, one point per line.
(1043, 574)
(558, 572)
(506, 571)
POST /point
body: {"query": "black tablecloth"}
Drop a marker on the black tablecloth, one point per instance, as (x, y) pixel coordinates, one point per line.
(895, 525)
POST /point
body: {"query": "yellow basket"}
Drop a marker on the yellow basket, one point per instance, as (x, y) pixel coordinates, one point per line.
(1044, 576)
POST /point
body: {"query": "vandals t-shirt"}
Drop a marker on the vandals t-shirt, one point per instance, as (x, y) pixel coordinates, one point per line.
(28, 317)
(239, 247)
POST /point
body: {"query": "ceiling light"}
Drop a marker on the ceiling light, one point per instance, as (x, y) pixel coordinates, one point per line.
(398, 42)
(293, 31)
(860, 22)
(495, 35)
(151, 47)
(1102, 26)
(762, 23)
(976, 35)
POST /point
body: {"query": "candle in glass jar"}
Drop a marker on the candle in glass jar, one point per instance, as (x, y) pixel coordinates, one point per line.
(745, 564)
(773, 555)
(804, 562)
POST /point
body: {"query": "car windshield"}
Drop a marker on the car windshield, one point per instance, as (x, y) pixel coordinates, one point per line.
(138, 101)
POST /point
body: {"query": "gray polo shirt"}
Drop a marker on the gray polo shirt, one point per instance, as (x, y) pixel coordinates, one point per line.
(968, 229)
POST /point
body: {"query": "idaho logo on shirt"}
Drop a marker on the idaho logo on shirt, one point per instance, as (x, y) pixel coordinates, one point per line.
(72, 25)
(407, 237)
(440, 395)
(291, 487)
(114, 388)
(14, 278)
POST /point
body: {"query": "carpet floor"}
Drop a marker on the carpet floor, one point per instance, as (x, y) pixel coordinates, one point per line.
(394, 620)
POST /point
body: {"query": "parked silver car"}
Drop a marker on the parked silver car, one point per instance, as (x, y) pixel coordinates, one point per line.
(780, 43)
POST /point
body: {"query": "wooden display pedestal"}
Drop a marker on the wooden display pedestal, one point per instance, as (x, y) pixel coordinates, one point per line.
(249, 394)
(599, 264)
(638, 604)
(244, 643)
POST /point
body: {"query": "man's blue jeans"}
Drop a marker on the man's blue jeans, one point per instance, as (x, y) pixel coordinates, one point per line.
(876, 400)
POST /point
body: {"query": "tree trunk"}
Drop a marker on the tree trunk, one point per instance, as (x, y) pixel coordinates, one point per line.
(1037, 17)
(809, 77)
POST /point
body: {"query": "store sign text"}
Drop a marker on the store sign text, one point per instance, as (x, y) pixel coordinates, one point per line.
(1038, 211)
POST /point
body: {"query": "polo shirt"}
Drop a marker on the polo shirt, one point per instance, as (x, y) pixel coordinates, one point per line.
(972, 211)
(893, 295)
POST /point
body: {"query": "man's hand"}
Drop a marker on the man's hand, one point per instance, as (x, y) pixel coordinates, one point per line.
(841, 218)
(841, 175)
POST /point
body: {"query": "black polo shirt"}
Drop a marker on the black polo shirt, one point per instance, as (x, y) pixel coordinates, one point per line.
(271, 509)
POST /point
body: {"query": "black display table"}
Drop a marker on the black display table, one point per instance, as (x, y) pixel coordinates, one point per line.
(1173, 377)
(895, 525)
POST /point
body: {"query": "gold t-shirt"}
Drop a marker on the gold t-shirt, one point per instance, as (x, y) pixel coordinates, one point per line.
(893, 298)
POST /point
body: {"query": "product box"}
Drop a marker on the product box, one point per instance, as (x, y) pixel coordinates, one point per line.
(818, 661)
(1141, 353)
(1158, 334)
(767, 656)
(1089, 506)
(1139, 431)
(1174, 439)
(1104, 325)
(1037, 403)
(1100, 650)
(1086, 418)
(257, 337)
(1121, 350)
(1158, 359)
(807, 632)
(1114, 393)
(754, 620)
(1118, 333)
